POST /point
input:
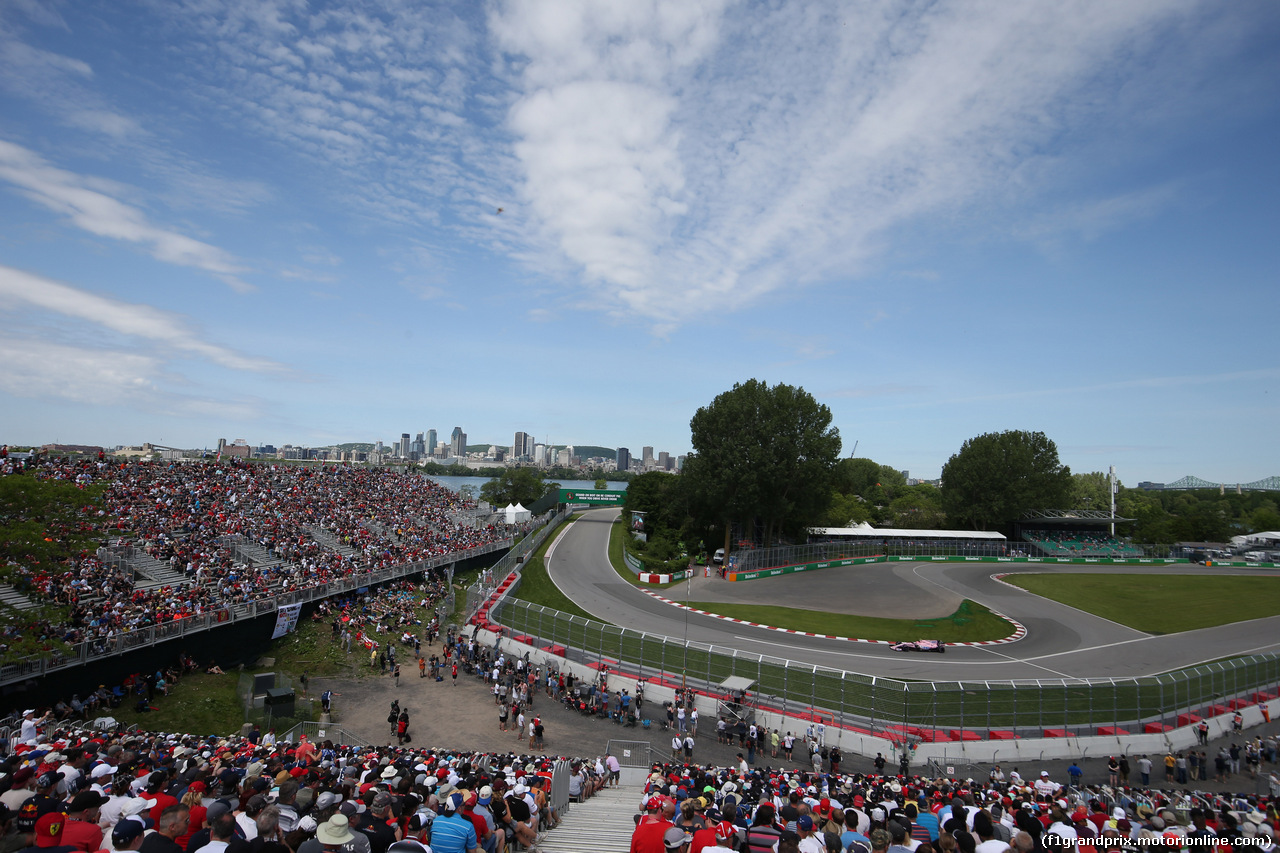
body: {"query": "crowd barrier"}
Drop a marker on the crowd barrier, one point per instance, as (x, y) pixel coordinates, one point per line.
(85, 652)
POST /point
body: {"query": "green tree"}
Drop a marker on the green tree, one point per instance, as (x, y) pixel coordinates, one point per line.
(996, 477)
(46, 526)
(515, 486)
(762, 454)
(1089, 491)
(602, 483)
(918, 507)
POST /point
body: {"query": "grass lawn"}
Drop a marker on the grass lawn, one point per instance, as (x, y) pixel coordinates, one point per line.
(209, 704)
(617, 538)
(536, 586)
(1145, 602)
(970, 623)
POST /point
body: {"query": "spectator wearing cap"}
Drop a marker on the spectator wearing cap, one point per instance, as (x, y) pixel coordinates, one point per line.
(453, 832)
(193, 799)
(880, 840)
(484, 834)
(810, 840)
(172, 824)
(652, 827)
(47, 834)
(851, 835)
(378, 825)
(247, 820)
(43, 798)
(82, 831)
(128, 833)
(521, 818)
(156, 791)
(496, 840)
(219, 831)
(723, 837)
(674, 839)
(24, 785)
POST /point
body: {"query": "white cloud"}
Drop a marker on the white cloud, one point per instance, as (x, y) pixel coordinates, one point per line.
(170, 333)
(98, 213)
(689, 159)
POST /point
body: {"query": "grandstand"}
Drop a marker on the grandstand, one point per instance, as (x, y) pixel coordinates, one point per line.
(195, 541)
(1074, 533)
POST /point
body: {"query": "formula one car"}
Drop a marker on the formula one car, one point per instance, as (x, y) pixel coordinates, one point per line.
(921, 646)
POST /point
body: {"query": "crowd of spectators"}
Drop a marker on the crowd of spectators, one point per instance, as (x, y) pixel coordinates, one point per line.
(74, 789)
(313, 524)
(692, 809)
(1076, 543)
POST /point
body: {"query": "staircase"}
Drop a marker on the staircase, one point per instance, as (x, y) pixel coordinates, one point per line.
(152, 573)
(328, 540)
(603, 824)
(10, 596)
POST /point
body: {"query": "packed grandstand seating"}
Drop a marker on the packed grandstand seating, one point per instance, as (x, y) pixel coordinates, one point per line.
(1079, 543)
(309, 525)
(77, 788)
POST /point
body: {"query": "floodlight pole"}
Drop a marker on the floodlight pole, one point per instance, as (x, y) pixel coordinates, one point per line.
(1111, 482)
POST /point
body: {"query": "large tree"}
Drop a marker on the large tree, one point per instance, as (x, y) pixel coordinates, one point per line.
(515, 486)
(997, 477)
(762, 455)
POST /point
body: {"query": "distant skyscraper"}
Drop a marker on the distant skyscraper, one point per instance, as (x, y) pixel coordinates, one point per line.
(418, 448)
(624, 458)
(458, 442)
(431, 442)
(404, 445)
(522, 446)
(646, 457)
(664, 461)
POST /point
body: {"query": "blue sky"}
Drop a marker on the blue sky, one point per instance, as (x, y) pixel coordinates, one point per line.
(279, 221)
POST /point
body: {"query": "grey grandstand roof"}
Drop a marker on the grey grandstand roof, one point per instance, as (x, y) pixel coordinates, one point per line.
(1070, 516)
(866, 531)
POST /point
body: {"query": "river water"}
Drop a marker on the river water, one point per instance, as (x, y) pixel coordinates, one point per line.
(456, 483)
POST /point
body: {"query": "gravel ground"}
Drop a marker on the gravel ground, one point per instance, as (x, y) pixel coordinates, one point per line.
(464, 717)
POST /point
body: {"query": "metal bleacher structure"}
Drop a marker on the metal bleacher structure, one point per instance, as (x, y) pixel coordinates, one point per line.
(150, 573)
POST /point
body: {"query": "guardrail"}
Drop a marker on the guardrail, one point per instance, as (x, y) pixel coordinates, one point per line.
(875, 703)
(127, 641)
(492, 578)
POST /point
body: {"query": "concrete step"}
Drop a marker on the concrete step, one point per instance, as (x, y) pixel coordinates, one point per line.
(603, 824)
(15, 599)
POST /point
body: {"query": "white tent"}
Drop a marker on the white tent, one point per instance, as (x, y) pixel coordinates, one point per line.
(514, 514)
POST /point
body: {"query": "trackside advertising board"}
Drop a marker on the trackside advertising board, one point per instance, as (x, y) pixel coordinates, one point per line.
(594, 497)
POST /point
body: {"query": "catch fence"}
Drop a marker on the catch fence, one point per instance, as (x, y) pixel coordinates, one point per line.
(889, 706)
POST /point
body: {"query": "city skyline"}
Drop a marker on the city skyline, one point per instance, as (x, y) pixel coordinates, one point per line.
(315, 220)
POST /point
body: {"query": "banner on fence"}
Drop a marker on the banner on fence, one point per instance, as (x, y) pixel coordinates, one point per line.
(286, 620)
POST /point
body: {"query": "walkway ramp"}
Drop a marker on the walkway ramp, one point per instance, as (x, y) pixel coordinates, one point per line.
(603, 824)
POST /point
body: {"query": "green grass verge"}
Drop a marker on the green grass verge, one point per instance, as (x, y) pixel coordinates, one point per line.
(617, 546)
(970, 623)
(1148, 602)
(535, 584)
(209, 704)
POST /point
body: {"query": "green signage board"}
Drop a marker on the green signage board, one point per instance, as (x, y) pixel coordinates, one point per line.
(596, 497)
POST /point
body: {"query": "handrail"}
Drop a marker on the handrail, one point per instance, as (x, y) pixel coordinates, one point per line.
(83, 652)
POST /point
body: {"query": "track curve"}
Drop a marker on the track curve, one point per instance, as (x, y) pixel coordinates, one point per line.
(1061, 641)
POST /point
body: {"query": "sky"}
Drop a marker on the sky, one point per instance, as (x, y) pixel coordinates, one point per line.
(321, 222)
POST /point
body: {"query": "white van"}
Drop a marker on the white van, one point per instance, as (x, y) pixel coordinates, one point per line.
(718, 557)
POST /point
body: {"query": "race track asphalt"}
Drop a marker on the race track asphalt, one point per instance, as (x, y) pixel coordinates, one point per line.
(1061, 641)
